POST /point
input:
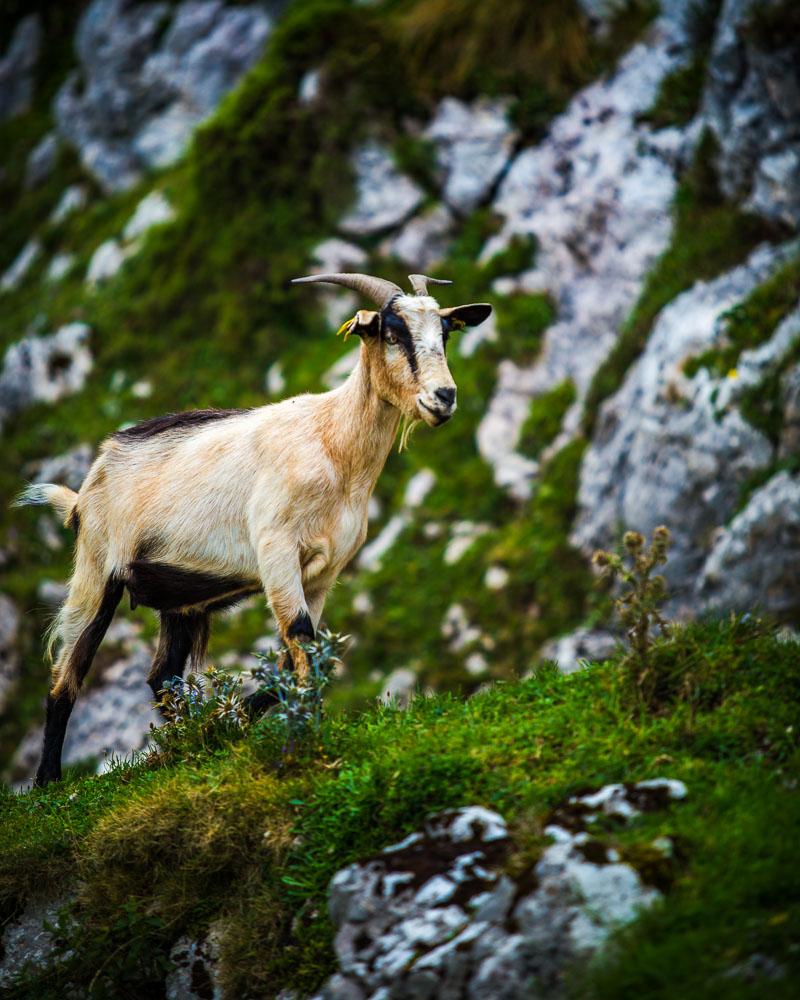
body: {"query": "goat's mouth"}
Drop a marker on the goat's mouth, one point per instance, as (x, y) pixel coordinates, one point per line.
(434, 418)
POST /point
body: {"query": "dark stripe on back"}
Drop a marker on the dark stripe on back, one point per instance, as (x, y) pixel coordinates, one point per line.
(164, 587)
(397, 325)
(173, 422)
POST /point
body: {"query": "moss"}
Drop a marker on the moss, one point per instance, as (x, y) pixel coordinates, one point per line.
(545, 418)
(750, 323)
(227, 837)
(709, 237)
(521, 322)
(678, 98)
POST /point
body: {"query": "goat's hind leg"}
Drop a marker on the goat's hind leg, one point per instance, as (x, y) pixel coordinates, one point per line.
(183, 635)
(81, 625)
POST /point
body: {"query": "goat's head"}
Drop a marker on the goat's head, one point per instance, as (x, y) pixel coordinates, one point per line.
(406, 339)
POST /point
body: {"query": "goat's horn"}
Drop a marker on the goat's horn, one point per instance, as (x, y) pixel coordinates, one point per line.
(420, 282)
(379, 290)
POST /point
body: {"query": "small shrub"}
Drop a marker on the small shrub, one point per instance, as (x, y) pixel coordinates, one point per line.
(639, 603)
(299, 706)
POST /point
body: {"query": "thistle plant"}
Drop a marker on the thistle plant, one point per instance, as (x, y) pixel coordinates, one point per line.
(299, 705)
(642, 592)
(203, 710)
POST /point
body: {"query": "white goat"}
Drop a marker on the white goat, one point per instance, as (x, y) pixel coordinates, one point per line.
(193, 511)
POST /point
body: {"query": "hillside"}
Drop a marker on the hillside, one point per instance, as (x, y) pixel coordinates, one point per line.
(620, 180)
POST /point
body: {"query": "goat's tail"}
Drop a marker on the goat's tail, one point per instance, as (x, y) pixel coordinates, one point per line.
(61, 497)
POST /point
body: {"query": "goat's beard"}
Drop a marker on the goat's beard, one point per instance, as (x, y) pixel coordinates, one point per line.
(407, 427)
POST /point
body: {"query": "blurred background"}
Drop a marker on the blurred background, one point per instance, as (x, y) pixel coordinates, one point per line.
(621, 179)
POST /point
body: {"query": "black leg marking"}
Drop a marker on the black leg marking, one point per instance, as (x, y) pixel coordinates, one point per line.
(59, 709)
(167, 588)
(181, 636)
(301, 628)
(55, 729)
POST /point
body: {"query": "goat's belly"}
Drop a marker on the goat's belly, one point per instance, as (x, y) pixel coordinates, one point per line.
(165, 587)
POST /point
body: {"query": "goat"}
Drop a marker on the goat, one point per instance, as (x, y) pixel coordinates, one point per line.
(193, 511)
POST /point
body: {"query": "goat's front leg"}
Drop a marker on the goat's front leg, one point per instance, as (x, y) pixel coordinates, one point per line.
(281, 575)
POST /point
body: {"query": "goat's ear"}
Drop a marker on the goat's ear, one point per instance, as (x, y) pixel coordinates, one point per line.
(365, 323)
(471, 315)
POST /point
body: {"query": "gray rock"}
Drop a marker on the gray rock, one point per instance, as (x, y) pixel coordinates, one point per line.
(20, 266)
(755, 560)
(399, 687)
(384, 196)
(140, 90)
(434, 916)
(424, 240)
(69, 469)
(60, 266)
(72, 200)
(790, 398)
(596, 195)
(570, 651)
(41, 161)
(194, 976)
(110, 720)
(152, 210)
(17, 68)
(674, 450)
(25, 942)
(9, 653)
(106, 262)
(473, 146)
(43, 369)
(752, 103)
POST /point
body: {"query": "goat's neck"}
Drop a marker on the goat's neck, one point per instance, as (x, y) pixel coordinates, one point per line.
(359, 429)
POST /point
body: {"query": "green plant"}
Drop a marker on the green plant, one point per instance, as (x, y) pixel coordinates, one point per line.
(638, 606)
(299, 703)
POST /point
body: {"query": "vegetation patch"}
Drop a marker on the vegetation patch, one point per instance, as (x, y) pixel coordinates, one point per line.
(545, 418)
(237, 837)
(678, 98)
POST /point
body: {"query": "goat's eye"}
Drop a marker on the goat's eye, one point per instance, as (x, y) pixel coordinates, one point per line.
(390, 338)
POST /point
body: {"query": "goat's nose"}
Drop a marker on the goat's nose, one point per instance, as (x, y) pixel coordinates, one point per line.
(446, 396)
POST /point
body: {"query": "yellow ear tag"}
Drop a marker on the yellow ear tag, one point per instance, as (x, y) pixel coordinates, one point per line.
(347, 327)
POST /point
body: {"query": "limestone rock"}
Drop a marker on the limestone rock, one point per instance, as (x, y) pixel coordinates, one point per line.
(434, 916)
(385, 197)
(22, 263)
(790, 399)
(194, 976)
(152, 210)
(569, 651)
(140, 90)
(9, 654)
(26, 942)
(755, 560)
(674, 450)
(41, 161)
(17, 68)
(60, 266)
(596, 195)
(69, 469)
(423, 241)
(43, 369)
(110, 720)
(72, 200)
(473, 146)
(752, 103)
(106, 261)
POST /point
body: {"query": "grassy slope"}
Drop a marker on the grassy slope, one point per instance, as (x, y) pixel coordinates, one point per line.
(263, 833)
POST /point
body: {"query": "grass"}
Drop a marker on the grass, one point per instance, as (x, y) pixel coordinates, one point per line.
(709, 237)
(246, 838)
